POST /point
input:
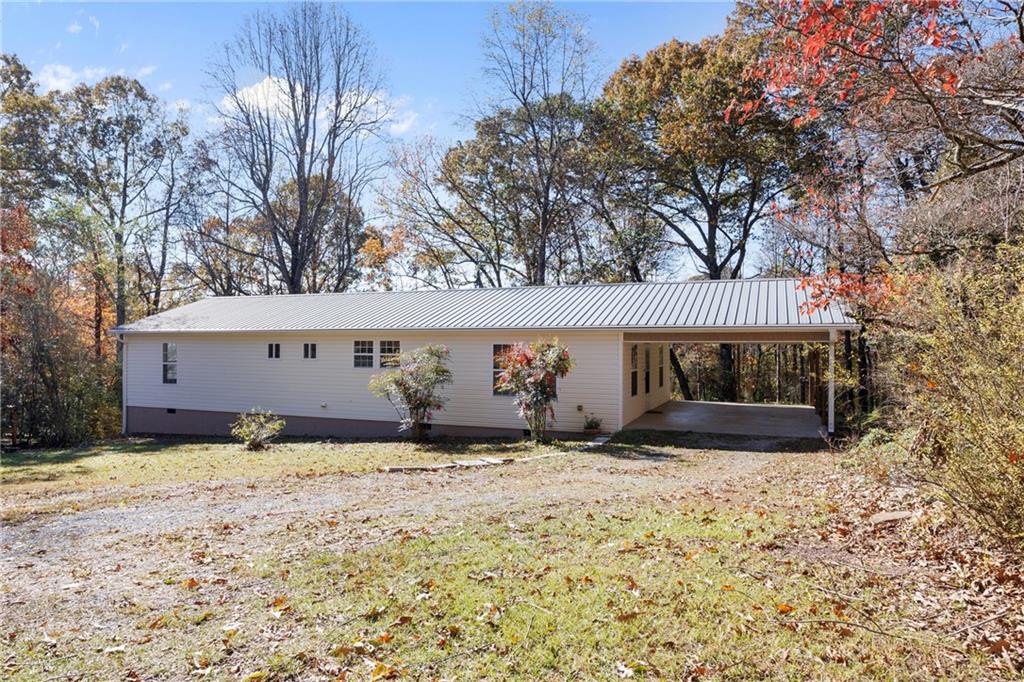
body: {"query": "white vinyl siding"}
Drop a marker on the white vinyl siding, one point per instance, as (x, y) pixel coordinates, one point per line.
(227, 372)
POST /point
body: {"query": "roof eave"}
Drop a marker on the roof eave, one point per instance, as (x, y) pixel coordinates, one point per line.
(840, 326)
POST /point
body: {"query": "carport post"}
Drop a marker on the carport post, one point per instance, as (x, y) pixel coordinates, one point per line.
(831, 383)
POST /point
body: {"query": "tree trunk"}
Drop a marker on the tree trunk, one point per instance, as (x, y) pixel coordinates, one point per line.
(726, 373)
(802, 352)
(851, 397)
(865, 372)
(97, 316)
(121, 287)
(684, 385)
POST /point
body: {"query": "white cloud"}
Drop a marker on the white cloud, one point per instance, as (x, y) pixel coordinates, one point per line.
(165, 86)
(145, 71)
(400, 116)
(403, 122)
(63, 77)
(269, 94)
(124, 46)
(74, 27)
(95, 24)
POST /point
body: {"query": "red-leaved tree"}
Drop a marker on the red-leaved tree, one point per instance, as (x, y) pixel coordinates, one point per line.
(531, 372)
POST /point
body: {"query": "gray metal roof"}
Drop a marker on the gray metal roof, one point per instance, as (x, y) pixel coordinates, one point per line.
(692, 305)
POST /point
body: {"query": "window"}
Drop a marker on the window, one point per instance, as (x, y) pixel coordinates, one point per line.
(634, 357)
(170, 363)
(389, 352)
(309, 351)
(273, 351)
(362, 354)
(660, 367)
(499, 349)
(647, 369)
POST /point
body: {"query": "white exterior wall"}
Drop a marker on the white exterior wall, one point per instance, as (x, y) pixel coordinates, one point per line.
(230, 372)
(634, 406)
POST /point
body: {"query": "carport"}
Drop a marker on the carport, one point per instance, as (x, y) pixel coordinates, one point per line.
(698, 416)
(760, 311)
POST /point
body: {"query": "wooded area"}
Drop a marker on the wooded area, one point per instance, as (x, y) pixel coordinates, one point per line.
(875, 148)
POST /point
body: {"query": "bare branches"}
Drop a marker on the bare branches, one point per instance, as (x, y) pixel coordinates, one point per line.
(302, 130)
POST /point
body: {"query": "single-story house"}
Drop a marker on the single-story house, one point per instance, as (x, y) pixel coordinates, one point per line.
(309, 357)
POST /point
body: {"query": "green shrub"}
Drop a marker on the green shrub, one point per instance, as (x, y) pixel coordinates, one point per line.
(413, 388)
(958, 358)
(256, 429)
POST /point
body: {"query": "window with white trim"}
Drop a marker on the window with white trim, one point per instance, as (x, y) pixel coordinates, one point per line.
(273, 351)
(634, 361)
(170, 363)
(362, 354)
(309, 351)
(389, 352)
(498, 350)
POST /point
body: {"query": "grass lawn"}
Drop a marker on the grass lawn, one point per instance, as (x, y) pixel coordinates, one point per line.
(149, 461)
(657, 557)
(29, 477)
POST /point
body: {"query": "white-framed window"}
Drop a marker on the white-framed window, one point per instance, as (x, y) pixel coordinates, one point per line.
(273, 351)
(362, 354)
(309, 351)
(389, 352)
(634, 363)
(498, 350)
(647, 369)
(170, 363)
(661, 365)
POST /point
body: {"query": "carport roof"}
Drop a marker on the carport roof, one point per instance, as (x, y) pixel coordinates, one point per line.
(748, 304)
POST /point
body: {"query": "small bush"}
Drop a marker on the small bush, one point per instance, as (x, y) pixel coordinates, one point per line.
(591, 423)
(256, 429)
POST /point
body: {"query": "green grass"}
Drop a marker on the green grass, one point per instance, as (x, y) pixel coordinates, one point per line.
(38, 481)
(148, 461)
(650, 592)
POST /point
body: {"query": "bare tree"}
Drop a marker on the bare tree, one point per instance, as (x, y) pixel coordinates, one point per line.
(304, 126)
(166, 200)
(538, 67)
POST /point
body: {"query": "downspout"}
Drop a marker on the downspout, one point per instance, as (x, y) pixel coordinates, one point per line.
(831, 383)
(124, 385)
(620, 350)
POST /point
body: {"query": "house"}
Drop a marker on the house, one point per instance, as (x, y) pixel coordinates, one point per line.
(309, 357)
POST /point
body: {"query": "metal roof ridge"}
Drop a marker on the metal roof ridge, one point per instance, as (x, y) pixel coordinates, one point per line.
(520, 287)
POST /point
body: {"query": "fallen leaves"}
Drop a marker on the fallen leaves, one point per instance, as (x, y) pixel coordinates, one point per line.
(383, 671)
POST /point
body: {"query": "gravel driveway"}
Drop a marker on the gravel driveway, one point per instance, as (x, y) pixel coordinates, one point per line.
(62, 570)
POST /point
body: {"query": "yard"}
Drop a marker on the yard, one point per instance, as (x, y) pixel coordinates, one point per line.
(657, 555)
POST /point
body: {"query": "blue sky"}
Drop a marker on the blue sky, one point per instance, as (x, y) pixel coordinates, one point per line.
(430, 51)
